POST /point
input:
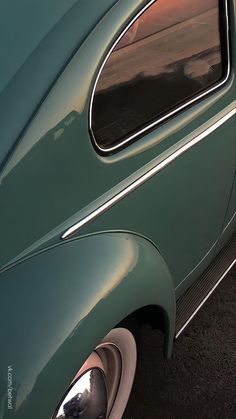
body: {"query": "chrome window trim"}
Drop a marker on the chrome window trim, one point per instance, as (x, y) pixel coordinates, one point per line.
(169, 114)
(149, 174)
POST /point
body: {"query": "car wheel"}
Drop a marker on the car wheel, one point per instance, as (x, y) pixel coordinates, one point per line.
(101, 388)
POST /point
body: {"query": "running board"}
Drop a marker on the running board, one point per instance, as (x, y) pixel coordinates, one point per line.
(190, 303)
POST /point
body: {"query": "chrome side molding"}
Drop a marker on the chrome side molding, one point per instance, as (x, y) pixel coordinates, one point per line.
(149, 174)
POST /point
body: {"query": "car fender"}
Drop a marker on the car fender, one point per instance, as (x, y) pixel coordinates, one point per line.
(58, 304)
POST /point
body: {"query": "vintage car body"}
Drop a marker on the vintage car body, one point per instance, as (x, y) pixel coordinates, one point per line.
(89, 237)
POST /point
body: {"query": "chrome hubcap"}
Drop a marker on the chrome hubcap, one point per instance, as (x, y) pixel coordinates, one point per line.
(101, 388)
(86, 399)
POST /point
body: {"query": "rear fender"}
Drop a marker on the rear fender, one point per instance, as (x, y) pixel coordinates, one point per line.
(57, 305)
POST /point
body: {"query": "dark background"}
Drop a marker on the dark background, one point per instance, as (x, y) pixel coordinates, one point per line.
(200, 379)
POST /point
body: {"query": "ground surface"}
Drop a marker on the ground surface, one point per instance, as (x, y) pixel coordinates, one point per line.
(200, 380)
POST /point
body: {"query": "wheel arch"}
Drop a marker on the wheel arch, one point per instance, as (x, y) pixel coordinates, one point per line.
(66, 300)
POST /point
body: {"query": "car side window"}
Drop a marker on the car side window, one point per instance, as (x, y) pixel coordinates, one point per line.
(172, 54)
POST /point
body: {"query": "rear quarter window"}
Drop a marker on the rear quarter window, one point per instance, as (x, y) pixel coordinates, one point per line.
(170, 55)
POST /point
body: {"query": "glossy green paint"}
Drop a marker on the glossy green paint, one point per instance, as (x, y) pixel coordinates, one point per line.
(21, 16)
(231, 208)
(230, 219)
(56, 164)
(60, 303)
(58, 32)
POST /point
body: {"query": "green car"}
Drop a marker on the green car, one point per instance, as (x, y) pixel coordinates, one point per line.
(117, 190)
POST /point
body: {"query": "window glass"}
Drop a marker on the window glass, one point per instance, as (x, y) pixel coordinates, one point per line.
(169, 55)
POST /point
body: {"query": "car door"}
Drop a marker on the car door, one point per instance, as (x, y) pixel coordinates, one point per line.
(167, 87)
